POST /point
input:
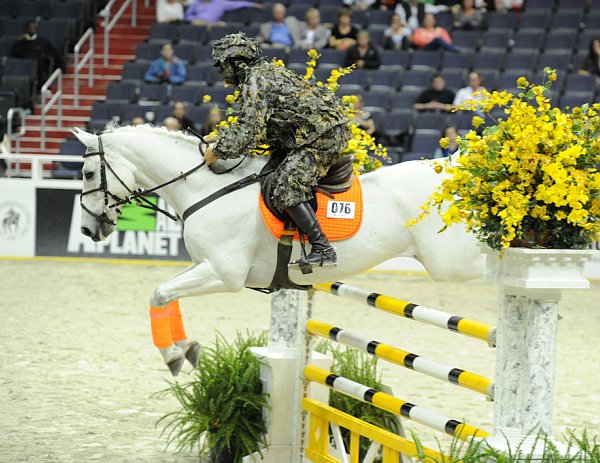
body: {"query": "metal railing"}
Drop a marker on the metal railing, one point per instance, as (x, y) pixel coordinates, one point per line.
(16, 136)
(37, 161)
(49, 101)
(87, 58)
(110, 23)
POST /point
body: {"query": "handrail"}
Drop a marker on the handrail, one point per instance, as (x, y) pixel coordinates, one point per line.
(88, 57)
(37, 163)
(9, 121)
(110, 23)
(48, 104)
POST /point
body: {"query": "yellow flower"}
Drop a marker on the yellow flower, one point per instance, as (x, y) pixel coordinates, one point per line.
(230, 98)
(444, 143)
(522, 82)
(313, 54)
(206, 99)
(477, 121)
(278, 63)
(438, 168)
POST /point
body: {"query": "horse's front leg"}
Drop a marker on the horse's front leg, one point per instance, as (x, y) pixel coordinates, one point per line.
(168, 332)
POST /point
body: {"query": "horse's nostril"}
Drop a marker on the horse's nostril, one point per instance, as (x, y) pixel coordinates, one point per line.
(86, 231)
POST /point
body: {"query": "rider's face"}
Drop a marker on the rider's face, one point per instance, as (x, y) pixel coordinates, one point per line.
(227, 71)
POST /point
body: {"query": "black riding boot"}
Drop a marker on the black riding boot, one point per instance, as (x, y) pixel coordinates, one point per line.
(321, 253)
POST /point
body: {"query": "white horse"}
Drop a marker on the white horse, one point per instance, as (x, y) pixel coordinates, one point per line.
(229, 244)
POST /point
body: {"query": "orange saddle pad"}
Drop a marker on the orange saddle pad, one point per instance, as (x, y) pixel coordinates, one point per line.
(340, 218)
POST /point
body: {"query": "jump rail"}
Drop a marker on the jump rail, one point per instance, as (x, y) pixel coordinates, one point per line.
(393, 404)
(413, 311)
(403, 358)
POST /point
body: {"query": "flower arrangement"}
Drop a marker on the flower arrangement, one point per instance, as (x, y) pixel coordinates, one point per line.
(361, 145)
(529, 180)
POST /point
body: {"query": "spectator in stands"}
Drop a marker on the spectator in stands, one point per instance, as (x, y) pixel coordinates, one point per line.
(363, 54)
(436, 97)
(396, 36)
(466, 93)
(169, 11)
(31, 45)
(343, 34)
(363, 118)
(172, 124)
(180, 113)
(283, 31)
(467, 17)
(450, 132)
(413, 12)
(138, 120)
(430, 37)
(203, 12)
(359, 5)
(168, 69)
(591, 63)
(385, 5)
(214, 117)
(313, 34)
(504, 6)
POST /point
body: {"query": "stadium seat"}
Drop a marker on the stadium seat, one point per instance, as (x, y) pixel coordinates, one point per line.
(431, 120)
(404, 99)
(490, 77)
(388, 77)
(276, 53)
(557, 59)
(393, 59)
(148, 51)
(534, 20)
(240, 16)
(466, 40)
(525, 60)
(566, 20)
(426, 60)
(455, 78)
(20, 67)
(329, 14)
(424, 144)
(358, 77)
(128, 112)
(194, 34)
(462, 61)
(72, 147)
(135, 71)
(462, 120)
(331, 56)
(580, 84)
(572, 4)
(106, 110)
(528, 39)
(201, 73)
(217, 31)
(396, 123)
(539, 4)
(497, 21)
(298, 10)
(489, 59)
(186, 51)
(380, 17)
(34, 9)
(218, 94)
(122, 92)
(508, 79)
(377, 98)
(187, 93)
(164, 32)
(496, 39)
(575, 99)
(153, 92)
(416, 79)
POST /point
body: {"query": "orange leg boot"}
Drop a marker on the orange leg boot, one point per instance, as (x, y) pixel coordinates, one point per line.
(163, 340)
(191, 349)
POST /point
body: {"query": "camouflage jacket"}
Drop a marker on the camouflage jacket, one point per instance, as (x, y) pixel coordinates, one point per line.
(278, 108)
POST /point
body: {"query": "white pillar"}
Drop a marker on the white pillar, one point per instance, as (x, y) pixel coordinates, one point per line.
(531, 282)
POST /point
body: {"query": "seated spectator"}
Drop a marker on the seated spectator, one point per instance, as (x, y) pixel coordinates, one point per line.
(359, 5)
(413, 12)
(396, 36)
(363, 118)
(180, 113)
(169, 11)
(450, 132)
(343, 34)
(436, 97)
(313, 34)
(363, 54)
(430, 37)
(467, 17)
(466, 93)
(591, 63)
(504, 6)
(31, 45)
(203, 12)
(385, 5)
(282, 31)
(214, 117)
(168, 69)
(138, 120)
(172, 124)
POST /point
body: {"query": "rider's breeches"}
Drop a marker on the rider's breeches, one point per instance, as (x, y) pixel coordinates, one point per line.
(300, 171)
(167, 325)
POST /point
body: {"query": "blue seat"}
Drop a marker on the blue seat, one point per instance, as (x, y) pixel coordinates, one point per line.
(395, 59)
(33, 9)
(404, 99)
(204, 73)
(123, 92)
(20, 67)
(193, 33)
(575, 99)
(397, 123)
(462, 61)
(358, 77)
(576, 83)
(153, 92)
(329, 14)
(587, 36)
(129, 112)
(388, 77)
(148, 51)
(106, 110)
(218, 94)
(558, 60)
(566, 20)
(216, 32)
(497, 21)
(466, 40)
(135, 71)
(424, 143)
(331, 56)
(462, 120)
(431, 120)
(496, 39)
(72, 147)
(426, 59)
(528, 39)
(572, 4)
(489, 59)
(534, 20)
(164, 32)
(455, 78)
(525, 60)
(275, 53)
(416, 79)
(298, 10)
(187, 93)
(237, 16)
(377, 98)
(561, 40)
(186, 51)
(380, 17)
(508, 79)
(490, 77)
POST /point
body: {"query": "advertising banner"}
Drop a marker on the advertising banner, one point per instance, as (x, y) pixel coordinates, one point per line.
(17, 219)
(140, 233)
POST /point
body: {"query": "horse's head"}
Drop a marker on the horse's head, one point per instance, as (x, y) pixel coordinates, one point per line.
(107, 180)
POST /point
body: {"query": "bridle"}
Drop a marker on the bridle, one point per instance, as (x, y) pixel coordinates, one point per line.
(136, 196)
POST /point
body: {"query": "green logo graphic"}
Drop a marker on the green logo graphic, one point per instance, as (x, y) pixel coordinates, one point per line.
(137, 218)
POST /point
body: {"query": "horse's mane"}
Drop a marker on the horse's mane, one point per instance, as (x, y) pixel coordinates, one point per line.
(114, 127)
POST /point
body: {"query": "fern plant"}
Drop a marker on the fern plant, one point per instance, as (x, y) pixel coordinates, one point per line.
(222, 405)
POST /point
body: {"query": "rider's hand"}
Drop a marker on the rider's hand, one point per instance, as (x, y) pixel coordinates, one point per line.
(210, 156)
(210, 138)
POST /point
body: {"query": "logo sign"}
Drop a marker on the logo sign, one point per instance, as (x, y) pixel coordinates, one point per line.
(14, 220)
(341, 209)
(17, 226)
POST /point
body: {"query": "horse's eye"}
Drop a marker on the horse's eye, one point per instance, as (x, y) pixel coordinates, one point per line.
(89, 175)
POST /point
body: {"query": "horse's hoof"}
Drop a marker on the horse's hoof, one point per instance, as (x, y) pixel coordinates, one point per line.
(192, 353)
(175, 365)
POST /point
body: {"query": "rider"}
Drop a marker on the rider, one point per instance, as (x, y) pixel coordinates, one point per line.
(290, 114)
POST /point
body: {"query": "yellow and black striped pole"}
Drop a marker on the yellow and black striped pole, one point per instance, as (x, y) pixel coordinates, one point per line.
(412, 311)
(393, 404)
(403, 358)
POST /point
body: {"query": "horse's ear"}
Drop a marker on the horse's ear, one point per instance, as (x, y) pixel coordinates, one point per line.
(88, 139)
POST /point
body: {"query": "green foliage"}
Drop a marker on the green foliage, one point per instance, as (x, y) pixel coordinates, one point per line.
(221, 407)
(362, 368)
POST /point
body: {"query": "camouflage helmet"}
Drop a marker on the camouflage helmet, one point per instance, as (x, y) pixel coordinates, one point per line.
(235, 46)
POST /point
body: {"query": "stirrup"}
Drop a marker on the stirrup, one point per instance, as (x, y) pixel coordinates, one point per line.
(325, 257)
